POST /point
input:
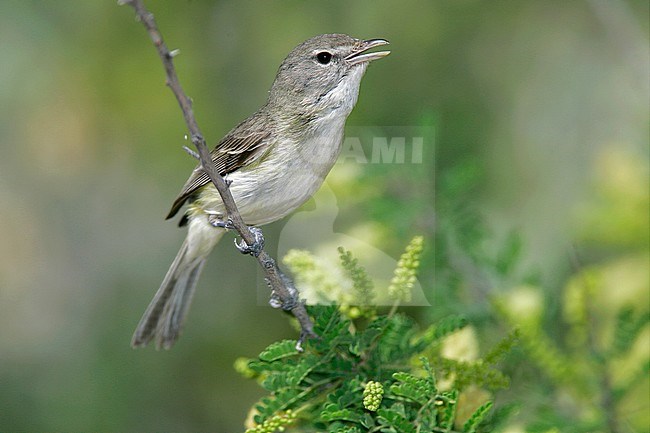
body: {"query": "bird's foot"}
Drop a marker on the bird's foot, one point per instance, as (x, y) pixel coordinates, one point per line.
(256, 248)
(216, 220)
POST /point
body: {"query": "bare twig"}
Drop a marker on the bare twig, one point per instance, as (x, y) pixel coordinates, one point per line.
(283, 295)
(192, 153)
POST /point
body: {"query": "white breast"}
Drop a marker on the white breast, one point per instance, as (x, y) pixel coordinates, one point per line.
(289, 175)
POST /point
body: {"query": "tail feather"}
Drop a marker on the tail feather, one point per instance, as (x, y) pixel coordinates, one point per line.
(171, 321)
(164, 317)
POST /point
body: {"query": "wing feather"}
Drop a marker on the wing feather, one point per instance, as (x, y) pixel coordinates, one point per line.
(232, 153)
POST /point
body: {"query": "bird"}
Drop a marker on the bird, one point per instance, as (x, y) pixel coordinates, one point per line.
(273, 162)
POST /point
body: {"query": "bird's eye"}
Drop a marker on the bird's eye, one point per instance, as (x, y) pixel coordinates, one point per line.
(324, 57)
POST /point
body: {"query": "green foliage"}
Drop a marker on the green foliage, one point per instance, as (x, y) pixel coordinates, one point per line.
(582, 347)
(473, 422)
(600, 367)
(377, 373)
(582, 329)
(629, 325)
(279, 350)
(411, 388)
(481, 372)
(443, 328)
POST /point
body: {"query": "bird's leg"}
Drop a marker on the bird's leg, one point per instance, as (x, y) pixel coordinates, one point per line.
(257, 246)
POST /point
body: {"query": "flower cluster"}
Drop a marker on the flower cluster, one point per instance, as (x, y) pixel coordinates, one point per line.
(406, 271)
(276, 423)
(372, 395)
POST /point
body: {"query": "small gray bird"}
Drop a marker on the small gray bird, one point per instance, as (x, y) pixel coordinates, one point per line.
(275, 160)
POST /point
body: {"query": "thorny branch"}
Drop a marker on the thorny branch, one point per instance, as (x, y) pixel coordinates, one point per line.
(283, 295)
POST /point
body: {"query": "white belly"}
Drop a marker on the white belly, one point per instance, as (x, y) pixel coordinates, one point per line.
(289, 175)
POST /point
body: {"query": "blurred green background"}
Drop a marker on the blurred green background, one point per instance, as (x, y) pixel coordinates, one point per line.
(541, 106)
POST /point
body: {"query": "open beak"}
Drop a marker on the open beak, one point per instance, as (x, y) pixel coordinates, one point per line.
(358, 55)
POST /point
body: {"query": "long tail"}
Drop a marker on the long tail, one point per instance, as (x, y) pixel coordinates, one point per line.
(164, 317)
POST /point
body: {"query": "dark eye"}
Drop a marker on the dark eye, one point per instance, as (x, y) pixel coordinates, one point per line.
(324, 57)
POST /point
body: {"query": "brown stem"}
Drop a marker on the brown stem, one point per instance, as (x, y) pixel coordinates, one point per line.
(286, 294)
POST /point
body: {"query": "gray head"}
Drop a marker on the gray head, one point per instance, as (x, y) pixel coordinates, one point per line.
(323, 74)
